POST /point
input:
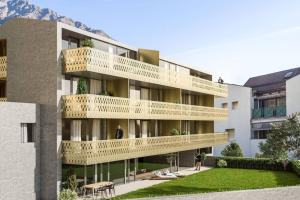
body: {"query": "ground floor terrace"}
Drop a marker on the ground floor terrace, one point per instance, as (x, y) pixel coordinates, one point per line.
(130, 170)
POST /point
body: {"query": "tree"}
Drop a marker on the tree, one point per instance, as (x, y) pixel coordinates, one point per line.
(233, 150)
(283, 139)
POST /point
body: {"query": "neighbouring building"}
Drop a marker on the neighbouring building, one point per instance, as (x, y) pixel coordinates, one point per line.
(262, 101)
(63, 103)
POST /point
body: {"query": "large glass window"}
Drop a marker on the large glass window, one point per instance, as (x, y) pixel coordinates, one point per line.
(103, 46)
(70, 43)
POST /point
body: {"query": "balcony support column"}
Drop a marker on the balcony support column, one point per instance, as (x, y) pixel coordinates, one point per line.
(85, 174)
(135, 168)
(101, 172)
(108, 171)
(125, 171)
(96, 173)
(128, 170)
(177, 161)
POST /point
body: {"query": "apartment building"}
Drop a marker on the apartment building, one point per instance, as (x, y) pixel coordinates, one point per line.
(262, 101)
(84, 95)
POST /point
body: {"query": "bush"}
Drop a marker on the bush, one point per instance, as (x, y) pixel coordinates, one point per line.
(222, 164)
(295, 164)
(67, 194)
(232, 150)
(87, 43)
(175, 131)
(253, 163)
(82, 86)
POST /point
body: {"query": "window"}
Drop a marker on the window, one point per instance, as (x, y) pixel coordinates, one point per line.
(207, 150)
(70, 43)
(235, 105)
(224, 105)
(27, 132)
(260, 134)
(231, 132)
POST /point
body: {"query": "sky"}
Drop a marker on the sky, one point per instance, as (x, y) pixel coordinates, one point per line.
(234, 39)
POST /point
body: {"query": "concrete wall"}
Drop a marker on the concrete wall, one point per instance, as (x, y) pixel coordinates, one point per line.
(238, 119)
(293, 95)
(32, 78)
(19, 164)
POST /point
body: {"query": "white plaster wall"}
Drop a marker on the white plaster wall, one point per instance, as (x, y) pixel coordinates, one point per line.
(19, 166)
(254, 146)
(238, 119)
(293, 95)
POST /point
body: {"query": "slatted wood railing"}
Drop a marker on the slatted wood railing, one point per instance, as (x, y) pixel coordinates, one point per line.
(101, 151)
(94, 60)
(97, 106)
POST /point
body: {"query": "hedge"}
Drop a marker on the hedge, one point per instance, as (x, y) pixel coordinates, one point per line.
(296, 166)
(254, 163)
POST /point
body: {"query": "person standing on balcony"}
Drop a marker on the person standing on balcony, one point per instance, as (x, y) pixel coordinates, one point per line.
(119, 133)
(221, 81)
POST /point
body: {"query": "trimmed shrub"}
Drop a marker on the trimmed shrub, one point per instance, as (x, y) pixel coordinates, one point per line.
(232, 150)
(67, 194)
(295, 164)
(221, 163)
(253, 163)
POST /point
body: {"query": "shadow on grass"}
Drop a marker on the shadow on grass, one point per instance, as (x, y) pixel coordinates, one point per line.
(285, 178)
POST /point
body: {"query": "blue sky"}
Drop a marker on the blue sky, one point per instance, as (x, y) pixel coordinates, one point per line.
(230, 38)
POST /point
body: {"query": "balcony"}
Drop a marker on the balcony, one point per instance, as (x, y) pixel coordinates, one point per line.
(3, 67)
(3, 99)
(97, 106)
(101, 151)
(92, 60)
(269, 112)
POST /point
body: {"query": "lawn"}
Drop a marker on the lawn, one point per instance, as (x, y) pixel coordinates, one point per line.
(218, 179)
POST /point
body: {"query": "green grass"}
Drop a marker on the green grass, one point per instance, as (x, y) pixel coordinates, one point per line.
(218, 179)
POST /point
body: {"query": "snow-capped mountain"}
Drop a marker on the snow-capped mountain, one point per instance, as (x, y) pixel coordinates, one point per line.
(23, 9)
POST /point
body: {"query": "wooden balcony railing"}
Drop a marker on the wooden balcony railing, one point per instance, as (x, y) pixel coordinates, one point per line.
(94, 60)
(3, 67)
(97, 106)
(101, 151)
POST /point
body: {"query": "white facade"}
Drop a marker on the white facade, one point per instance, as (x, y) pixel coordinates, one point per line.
(19, 164)
(293, 95)
(239, 116)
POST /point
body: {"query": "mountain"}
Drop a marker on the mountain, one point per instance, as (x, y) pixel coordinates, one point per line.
(23, 9)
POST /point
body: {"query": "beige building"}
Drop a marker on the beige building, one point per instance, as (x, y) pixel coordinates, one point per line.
(85, 94)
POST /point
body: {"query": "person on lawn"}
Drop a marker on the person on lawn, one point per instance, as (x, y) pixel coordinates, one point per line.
(198, 162)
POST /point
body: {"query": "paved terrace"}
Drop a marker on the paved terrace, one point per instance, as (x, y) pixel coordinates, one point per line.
(140, 184)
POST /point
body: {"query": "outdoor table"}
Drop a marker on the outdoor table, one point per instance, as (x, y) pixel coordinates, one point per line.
(95, 186)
